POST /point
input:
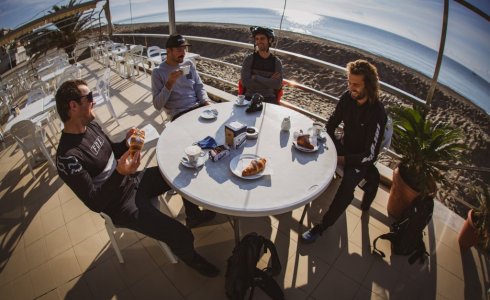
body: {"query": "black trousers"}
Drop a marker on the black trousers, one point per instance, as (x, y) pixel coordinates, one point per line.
(140, 214)
(352, 177)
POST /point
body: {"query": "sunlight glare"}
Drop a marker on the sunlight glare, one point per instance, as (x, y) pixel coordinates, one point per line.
(301, 17)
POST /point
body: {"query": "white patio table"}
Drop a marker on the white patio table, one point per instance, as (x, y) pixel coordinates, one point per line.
(297, 179)
(36, 111)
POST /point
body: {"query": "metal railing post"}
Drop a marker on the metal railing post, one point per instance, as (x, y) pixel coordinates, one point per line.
(433, 83)
(171, 17)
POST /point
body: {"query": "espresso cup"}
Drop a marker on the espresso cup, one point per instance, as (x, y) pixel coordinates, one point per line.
(193, 153)
(240, 99)
(185, 69)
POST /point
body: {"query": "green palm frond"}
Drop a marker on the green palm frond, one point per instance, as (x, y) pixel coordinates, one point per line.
(425, 147)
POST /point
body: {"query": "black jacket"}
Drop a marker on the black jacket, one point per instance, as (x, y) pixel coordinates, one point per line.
(364, 127)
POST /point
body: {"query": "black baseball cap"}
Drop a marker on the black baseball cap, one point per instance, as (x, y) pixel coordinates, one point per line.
(176, 40)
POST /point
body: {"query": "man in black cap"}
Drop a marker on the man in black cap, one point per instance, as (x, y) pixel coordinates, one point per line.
(176, 85)
(261, 70)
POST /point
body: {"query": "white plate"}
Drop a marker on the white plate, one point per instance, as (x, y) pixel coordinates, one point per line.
(240, 162)
(244, 103)
(200, 162)
(303, 149)
(209, 114)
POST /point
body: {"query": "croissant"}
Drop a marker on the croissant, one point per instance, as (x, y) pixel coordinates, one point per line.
(304, 141)
(136, 142)
(256, 166)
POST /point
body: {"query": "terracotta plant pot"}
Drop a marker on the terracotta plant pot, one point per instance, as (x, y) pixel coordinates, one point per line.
(401, 195)
(468, 236)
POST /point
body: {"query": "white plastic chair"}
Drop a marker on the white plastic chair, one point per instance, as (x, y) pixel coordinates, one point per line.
(103, 96)
(111, 229)
(35, 95)
(41, 85)
(135, 58)
(30, 138)
(154, 54)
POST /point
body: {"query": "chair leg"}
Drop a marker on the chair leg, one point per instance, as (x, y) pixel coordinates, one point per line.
(29, 164)
(115, 246)
(111, 110)
(164, 205)
(304, 214)
(170, 255)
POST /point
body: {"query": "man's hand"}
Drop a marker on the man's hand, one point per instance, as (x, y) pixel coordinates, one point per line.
(276, 75)
(174, 75)
(206, 102)
(127, 165)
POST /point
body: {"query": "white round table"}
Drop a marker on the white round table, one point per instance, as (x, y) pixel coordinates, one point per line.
(298, 177)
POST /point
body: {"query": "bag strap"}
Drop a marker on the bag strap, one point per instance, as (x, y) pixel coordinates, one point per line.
(276, 268)
(387, 236)
(266, 283)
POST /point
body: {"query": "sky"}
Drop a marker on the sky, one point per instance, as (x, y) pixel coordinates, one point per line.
(417, 20)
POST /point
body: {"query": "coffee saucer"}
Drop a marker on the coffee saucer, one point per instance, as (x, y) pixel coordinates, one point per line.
(200, 162)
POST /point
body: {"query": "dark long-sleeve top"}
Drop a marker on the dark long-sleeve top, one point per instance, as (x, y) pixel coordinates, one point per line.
(86, 162)
(263, 69)
(364, 126)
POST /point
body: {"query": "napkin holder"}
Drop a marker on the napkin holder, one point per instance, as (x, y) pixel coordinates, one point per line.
(235, 134)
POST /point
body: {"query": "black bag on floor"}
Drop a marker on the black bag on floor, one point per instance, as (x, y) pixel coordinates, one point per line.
(242, 272)
(406, 235)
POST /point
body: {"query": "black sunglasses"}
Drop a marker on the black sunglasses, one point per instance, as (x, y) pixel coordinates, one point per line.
(89, 96)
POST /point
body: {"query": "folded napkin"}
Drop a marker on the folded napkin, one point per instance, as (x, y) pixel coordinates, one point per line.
(207, 143)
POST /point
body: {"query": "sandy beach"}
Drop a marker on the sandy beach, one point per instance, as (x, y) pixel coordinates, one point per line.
(447, 107)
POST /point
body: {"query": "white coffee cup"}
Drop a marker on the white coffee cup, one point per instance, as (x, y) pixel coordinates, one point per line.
(240, 99)
(185, 69)
(193, 153)
(317, 128)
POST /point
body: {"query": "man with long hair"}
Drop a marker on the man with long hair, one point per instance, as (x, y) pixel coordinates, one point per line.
(261, 70)
(364, 119)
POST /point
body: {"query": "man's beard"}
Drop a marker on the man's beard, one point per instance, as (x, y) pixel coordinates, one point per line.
(359, 96)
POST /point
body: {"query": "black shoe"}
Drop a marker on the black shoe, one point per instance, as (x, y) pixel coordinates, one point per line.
(310, 236)
(203, 217)
(201, 265)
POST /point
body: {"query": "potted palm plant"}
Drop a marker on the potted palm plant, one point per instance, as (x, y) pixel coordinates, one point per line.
(425, 149)
(476, 228)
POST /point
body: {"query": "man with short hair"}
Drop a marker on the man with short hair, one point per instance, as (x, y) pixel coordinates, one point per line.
(174, 91)
(262, 70)
(104, 176)
(364, 119)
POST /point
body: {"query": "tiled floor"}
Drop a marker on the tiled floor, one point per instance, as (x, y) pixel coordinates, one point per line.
(53, 247)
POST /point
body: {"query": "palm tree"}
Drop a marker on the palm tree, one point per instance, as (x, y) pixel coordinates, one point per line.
(64, 34)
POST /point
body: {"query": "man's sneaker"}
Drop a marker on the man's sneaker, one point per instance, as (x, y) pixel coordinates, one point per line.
(201, 265)
(204, 216)
(311, 235)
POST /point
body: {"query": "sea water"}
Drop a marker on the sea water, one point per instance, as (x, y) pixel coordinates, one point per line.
(379, 42)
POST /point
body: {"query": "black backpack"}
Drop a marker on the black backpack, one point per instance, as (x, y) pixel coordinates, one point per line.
(406, 235)
(242, 272)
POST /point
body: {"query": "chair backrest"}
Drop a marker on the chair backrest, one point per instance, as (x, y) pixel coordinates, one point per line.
(25, 133)
(35, 95)
(386, 142)
(242, 89)
(39, 84)
(73, 71)
(102, 88)
(153, 51)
